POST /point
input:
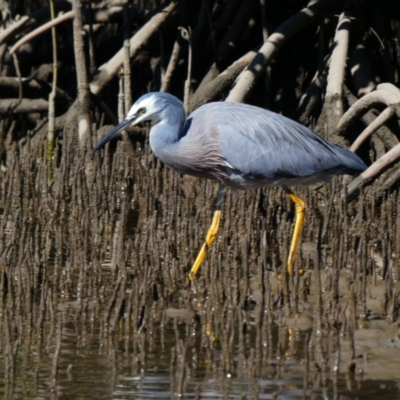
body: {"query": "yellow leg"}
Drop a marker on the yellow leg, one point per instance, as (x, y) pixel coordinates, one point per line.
(300, 213)
(211, 234)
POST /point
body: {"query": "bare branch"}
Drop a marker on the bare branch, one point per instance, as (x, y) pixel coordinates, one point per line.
(222, 82)
(52, 106)
(173, 61)
(282, 34)
(10, 30)
(43, 28)
(32, 88)
(334, 88)
(370, 129)
(108, 70)
(186, 34)
(375, 169)
(127, 59)
(25, 106)
(84, 120)
(361, 106)
(31, 21)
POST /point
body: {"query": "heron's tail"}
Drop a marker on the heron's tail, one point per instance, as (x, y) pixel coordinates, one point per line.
(349, 162)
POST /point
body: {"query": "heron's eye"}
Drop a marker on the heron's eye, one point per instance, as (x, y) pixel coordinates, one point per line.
(142, 111)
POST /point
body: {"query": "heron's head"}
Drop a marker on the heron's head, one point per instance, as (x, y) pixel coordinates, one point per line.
(150, 107)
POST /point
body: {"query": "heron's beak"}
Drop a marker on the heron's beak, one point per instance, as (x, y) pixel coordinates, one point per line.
(131, 120)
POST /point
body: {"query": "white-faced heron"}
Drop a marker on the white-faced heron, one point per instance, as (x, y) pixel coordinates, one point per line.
(240, 146)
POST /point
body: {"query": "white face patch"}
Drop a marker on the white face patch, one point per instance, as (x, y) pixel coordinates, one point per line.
(146, 103)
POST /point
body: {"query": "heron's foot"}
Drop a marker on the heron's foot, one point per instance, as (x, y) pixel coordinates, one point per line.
(290, 268)
(211, 235)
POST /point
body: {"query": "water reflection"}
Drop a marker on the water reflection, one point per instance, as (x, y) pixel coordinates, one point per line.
(169, 364)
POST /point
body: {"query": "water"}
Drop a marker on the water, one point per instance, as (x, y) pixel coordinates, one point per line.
(96, 303)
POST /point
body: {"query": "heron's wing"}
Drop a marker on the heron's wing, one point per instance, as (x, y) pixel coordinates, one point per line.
(258, 142)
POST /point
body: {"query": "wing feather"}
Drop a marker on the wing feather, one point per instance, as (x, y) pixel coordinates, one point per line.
(258, 142)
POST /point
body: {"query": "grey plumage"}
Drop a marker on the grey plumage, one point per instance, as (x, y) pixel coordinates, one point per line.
(240, 145)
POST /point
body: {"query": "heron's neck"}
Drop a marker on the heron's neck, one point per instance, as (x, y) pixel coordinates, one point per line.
(165, 135)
